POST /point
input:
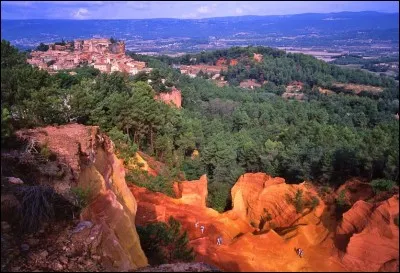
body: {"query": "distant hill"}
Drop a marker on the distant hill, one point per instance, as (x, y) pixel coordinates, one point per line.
(193, 35)
(31, 32)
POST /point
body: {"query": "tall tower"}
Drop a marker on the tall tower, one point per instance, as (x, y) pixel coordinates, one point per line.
(90, 46)
(121, 47)
(78, 44)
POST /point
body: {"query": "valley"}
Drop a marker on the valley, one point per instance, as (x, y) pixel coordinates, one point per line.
(220, 144)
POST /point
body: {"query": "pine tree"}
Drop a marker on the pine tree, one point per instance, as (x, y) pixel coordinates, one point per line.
(165, 243)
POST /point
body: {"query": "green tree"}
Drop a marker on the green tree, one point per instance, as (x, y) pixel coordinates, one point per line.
(298, 201)
(165, 243)
(42, 47)
(6, 128)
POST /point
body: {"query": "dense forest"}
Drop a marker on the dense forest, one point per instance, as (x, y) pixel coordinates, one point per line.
(325, 139)
(277, 67)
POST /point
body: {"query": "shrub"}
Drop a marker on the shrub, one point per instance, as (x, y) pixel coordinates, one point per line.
(82, 195)
(45, 151)
(314, 202)
(265, 218)
(6, 128)
(298, 201)
(379, 185)
(341, 199)
(160, 183)
(37, 206)
(268, 215)
(165, 243)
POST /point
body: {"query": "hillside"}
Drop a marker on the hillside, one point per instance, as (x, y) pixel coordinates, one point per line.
(221, 154)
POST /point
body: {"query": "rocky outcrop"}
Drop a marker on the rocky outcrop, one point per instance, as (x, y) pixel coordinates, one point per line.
(355, 189)
(258, 196)
(244, 247)
(373, 237)
(142, 164)
(258, 57)
(95, 169)
(192, 192)
(173, 97)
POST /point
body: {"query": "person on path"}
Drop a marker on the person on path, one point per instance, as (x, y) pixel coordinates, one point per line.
(196, 225)
(202, 229)
(219, 240)
(300, 252)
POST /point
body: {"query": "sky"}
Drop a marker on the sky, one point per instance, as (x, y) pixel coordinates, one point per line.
(82, 10)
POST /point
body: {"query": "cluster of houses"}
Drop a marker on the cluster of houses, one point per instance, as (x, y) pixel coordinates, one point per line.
(102, 54)
(214, 71)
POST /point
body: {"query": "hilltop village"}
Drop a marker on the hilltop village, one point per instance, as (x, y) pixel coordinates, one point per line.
(103, 54)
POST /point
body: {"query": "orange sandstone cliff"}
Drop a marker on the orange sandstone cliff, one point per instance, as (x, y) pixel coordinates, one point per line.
(192, 192)
(263, 228)
(173, 97)
(259, 233)
(112, 207)
(372, 236)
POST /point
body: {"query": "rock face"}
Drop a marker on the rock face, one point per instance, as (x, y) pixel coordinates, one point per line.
(251, 245)
(356, 189)
(173, 97)
(96, 169)
(244, 247)
(144, 165)
(192, 192)
(258, 57)
(258, 195)
(373, 237)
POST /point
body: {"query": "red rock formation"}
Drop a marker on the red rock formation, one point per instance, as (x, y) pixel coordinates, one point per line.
(154, 166)
(256, 194)
(258, 57)
(242, 249)
(364, 230)
(373, 236)
(192, 192)
(355, 189)
(95, 167)
(173, 97)
(233, 62)
(138, 162)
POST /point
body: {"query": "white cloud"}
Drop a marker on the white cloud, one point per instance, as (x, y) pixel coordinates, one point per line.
(81, 13)
(203, 9)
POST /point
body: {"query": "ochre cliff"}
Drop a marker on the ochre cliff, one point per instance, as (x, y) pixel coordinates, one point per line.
(95, 169)
(373, 237)
(192, 192)
(244, 248)
(173, 97)
(254, 242)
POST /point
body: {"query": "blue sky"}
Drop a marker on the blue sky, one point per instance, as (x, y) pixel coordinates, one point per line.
(177, 9)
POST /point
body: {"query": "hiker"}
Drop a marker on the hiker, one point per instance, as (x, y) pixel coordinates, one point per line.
(202, 229)
(219, 240)
(300, 252)
(196, 225)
